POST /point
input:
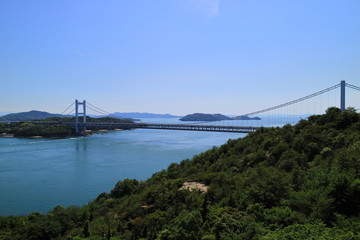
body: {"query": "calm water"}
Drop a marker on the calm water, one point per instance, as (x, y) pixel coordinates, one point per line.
(38, 174)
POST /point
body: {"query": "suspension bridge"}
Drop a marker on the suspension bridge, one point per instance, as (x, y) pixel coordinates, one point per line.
(80, 111)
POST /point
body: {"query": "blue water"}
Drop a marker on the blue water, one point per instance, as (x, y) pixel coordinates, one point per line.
(39, 174)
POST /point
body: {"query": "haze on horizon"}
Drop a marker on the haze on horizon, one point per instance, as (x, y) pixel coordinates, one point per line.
(176, 57)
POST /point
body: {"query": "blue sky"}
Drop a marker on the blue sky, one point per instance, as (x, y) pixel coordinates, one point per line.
(174, 56)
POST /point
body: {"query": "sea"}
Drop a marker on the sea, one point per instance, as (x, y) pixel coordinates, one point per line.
(38, 174)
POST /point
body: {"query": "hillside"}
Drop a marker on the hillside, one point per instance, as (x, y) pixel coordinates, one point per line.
(246, 118)
(27, 116)
(204, 117)
(296, 182)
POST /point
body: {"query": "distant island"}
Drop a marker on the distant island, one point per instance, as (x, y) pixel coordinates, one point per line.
(204, 117)
(27, 116)
(244, 117)
(214, 117)
(40, 115)
(142, 115)
(4, 113)
(29, 128)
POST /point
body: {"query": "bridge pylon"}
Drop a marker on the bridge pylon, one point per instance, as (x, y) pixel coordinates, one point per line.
(342, 95)
(83, 114)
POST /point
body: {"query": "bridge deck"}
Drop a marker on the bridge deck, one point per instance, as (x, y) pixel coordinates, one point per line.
(184, 127)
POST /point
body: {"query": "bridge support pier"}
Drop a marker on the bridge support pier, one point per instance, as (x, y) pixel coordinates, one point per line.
(342, 95)
(77, 113)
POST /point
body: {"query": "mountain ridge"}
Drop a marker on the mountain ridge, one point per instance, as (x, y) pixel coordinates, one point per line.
(27, 116)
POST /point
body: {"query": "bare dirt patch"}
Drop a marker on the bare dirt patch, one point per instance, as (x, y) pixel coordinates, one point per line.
(193, 186)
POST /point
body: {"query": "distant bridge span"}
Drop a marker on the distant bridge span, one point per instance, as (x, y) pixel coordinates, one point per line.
(81, 125)
(183, 127)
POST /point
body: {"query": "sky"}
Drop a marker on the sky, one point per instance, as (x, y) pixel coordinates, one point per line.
(174, 56)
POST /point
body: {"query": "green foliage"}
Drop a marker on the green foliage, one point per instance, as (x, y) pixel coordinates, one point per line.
(295, 182)
(125, 187)
(315, 231)
(59, 130)
(30, 130)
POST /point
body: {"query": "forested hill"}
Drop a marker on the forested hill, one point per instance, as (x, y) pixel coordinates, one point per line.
(204, 117)
(296, 182)
(27, 116)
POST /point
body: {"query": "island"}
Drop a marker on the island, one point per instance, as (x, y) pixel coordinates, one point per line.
(245, 117)
(204, 117)
(58, 130)
(27, 116)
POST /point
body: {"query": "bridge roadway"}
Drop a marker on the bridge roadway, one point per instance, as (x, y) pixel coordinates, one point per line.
(184, 127)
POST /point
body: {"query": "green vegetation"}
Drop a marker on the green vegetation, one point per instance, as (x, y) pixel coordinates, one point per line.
(204, 117)
(246, 118)
(28, 129)
(24, 129)
(296, 182)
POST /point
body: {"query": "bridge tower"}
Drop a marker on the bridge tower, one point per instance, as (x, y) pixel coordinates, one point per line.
(342, 95)
(83, 114)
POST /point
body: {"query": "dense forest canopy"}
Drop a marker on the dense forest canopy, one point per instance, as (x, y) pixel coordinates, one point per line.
(295, 182)
(29, 129)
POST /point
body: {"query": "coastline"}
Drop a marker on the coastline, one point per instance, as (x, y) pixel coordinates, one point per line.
(7, 135)
(88, 132)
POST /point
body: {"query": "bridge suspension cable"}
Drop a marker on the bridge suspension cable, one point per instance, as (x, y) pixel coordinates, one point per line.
(352, 86)
(294, 101)
(95, 108)
(72, 112)
(99, 110)
(67, 108)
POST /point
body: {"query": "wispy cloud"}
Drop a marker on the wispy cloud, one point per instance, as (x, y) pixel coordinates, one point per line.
(80, 53)
(211, 7)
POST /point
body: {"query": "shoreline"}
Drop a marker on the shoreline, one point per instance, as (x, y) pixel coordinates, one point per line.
(87, 133)
(7, 135)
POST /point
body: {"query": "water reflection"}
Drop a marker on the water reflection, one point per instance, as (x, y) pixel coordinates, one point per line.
(81, 145)
(81, 150)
